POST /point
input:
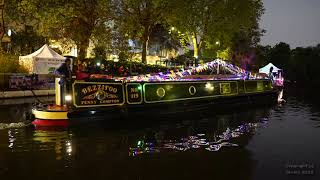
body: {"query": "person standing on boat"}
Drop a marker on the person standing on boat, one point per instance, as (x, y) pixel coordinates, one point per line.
(64, 69)
(64, 72)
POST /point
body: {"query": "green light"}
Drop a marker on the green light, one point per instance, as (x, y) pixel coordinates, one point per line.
(139, 87)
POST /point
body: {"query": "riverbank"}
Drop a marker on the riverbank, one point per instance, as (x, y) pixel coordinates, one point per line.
(26, 93)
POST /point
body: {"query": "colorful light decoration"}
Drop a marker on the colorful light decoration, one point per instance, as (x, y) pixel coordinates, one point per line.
(199, 141)
(180, 75)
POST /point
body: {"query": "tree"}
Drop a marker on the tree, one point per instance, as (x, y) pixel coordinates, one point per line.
(99, 52)
(262, 55)
(10, 64)
(137, 19)
(2, 29)
(304, 64)
(245, 41)
(163, 39)
(208, 23)
(26, 42)
(280, 55)
(120, 43)
(78, 20)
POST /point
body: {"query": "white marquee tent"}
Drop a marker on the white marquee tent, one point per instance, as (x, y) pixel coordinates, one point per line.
(266, 69)
(43, 61)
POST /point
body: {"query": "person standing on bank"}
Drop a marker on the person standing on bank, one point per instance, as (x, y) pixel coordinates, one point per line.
(64, 72)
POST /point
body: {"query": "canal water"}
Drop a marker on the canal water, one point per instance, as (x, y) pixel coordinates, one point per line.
(263, 142)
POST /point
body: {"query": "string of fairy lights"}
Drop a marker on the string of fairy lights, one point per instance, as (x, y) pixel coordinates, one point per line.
(217, 65)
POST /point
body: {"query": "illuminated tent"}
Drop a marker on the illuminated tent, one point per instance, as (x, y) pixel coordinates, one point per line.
(266, 69)
(43, 61)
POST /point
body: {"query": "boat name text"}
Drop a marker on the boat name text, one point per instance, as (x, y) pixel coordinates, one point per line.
(94, 88)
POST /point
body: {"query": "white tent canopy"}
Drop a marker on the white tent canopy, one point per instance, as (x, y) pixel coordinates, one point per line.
(266, 69)
(43, 61)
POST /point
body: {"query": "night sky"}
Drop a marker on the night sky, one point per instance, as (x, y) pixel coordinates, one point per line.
(296, 22)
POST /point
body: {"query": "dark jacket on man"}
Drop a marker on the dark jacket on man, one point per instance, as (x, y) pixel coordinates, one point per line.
(64, 70)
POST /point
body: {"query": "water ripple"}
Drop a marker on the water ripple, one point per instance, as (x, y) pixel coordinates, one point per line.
(13, 125)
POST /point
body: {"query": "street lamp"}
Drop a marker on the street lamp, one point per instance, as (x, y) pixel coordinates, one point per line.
(9, 44)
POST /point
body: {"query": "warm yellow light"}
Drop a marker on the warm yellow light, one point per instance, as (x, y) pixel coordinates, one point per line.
(68, 98)
(209, 86)
(69, 147)
(9, 32)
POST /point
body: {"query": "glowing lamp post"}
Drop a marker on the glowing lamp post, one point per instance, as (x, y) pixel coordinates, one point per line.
(9, 44)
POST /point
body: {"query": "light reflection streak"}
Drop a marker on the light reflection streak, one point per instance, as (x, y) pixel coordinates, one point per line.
(11, 139)
(60, 141)
(199, 141)
(68, 147)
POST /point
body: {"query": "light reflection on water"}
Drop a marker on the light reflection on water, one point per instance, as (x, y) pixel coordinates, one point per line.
(14, 125)
(177, 147)
(207, 133)
(59, 140)
(198, 141)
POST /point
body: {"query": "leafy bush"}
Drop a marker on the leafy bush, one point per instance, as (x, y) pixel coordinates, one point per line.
(123, 56)
(10, 64)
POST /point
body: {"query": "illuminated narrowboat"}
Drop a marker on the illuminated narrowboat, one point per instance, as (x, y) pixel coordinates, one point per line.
(105, 97)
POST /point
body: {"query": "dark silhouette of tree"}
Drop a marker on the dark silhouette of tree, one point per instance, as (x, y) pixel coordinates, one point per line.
(161, 37)
(262, 55)
(304, 65)
(280, 55)
(300, 65)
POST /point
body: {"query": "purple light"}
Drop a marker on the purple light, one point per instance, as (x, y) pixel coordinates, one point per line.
(238, 73)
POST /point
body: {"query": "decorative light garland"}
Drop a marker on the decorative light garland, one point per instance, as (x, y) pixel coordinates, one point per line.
(238, 73)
